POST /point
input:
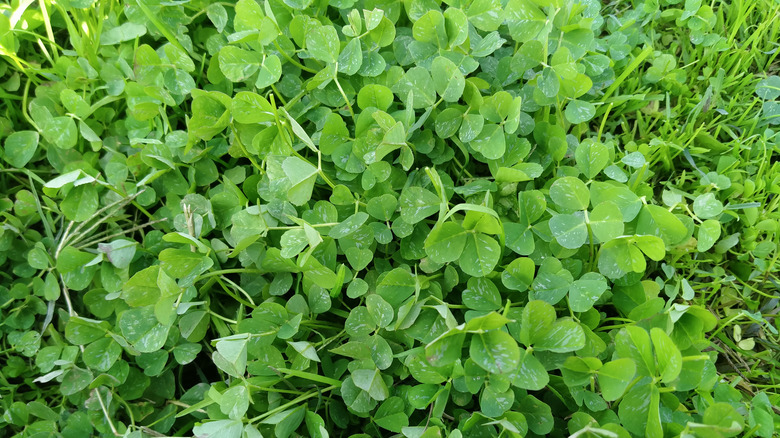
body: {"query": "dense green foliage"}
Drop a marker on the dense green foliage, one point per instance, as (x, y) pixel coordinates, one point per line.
(473, 218)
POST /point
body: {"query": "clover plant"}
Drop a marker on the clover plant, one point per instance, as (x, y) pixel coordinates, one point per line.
(375, 218)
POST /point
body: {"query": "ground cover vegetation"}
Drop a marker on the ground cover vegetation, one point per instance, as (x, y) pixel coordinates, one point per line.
(369, 218)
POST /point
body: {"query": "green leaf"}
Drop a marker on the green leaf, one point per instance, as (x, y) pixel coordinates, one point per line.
(74, 380)
(316, 425)
(570, 193)
(634, 343)
(480, 255)
(417, 204)
(518, 274)
(538, 414)
(769, 88)
(495, 351)
(247, 226)
(358, 258)
(446, 349)
(485, 15)
(724, 418)
(286, 422)
(570, 230)
(417, 83)
(351, 58)
(638, 410)
(231, 355)
(184, 265)
(382, 207)
(119, 252)
(658, 221)
(563, 336)
(579, 111)
(359, 323)
(490, 142)
(626, 200)
(445, 242)
(382, 312)
(707, 206)
(552, 281)
(298, 4)
(709, 233)
(489, 44)
(430, 28)
(140, 327)
(577, 371)
(302, 176)
(235, 402)
(124, 32)
(142, 289)
(323, 43)
(305, 349)
(238, 64)
(391, 415)
(481, 294)
(186, 353)
(615, 376)
(513, 116)
(218, 15)
(652, 246)
(375, 95)
(668, 355)
(20, 148)
(250, 108)
(61, 132)
(348, 226)
(448, 79)
(606, 221)
(396, 286)
(81, 331)
(618, 257)
(634, 159)
(585, 291)
(591, 157)
(371, 381)
(270, 71)
(471, 127)
(493, 402)
(537, 318)
(80, 203)
(530, 373)
(101, 354)
(549, 82)
(219, 429)
(210, 114)
(384, 33)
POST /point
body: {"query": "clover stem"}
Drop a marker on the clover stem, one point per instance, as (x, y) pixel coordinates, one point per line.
(278, 95)
(49, 30)
(291, 60)
(228, 320)
(239, 288)
(344, 95)
(291, 403)
(326, 179)
(229, 271)
(244, 150)
(592, 248)
(66, 294)
(24, 106)
(295, 99)
(127, 408)
(105, 412)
